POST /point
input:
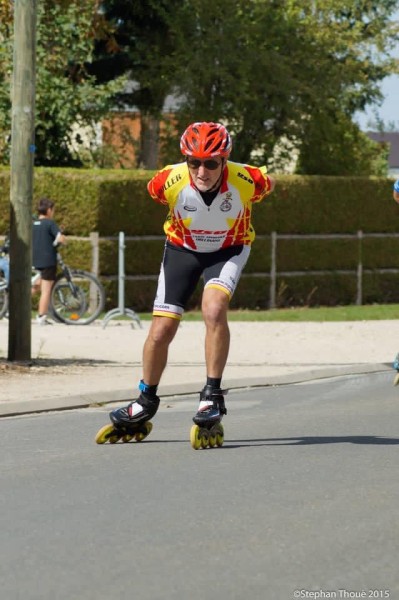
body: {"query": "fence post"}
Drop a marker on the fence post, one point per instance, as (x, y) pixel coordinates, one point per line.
(121, 310)
(359, 295)
(273, 269)
(95, 253)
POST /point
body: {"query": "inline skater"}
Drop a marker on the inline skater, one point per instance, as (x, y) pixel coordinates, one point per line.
(208, 234)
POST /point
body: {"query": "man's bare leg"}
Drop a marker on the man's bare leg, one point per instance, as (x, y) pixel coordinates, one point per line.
(215, 304)
(208, 429)
(156, 347)
(155, 355)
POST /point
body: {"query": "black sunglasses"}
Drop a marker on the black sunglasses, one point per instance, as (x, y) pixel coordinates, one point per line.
(211, 165)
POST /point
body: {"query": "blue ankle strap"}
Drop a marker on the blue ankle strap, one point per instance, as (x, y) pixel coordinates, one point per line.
(143, 387)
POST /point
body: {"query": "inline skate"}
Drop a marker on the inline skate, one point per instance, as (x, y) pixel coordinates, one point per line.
(207, 429)
(126, 426)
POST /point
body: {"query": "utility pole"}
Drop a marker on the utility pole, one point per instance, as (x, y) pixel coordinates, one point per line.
(22, 155)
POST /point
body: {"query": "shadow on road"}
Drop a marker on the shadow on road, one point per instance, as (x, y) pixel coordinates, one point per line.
(307, 441)
(294, 441)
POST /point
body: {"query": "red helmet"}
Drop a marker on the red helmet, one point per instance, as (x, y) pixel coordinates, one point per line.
(206, 140)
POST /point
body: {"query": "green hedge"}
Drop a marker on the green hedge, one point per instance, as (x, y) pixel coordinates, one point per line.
(314, 205)
(112, 201)
(116, 200)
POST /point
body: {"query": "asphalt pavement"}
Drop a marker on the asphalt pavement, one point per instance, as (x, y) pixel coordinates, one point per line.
(300, 502)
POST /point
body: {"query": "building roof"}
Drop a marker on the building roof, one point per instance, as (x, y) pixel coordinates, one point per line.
(391, 138)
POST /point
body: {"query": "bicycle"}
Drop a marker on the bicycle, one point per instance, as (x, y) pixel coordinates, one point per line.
(77, 297)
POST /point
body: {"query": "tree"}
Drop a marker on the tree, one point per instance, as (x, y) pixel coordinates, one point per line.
(334, 145)
(67, 99)
(140, 44)
(6, 33)
(269, 68)
(361, 34)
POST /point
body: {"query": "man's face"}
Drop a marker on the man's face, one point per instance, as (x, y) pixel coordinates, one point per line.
(205, 173)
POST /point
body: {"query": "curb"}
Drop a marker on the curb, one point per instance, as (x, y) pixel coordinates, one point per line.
(24, 407)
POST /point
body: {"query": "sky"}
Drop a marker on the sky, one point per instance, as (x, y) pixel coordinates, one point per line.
(388, 111)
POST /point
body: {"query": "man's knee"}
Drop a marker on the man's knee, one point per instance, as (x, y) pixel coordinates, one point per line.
(215, 304)
(163, 329)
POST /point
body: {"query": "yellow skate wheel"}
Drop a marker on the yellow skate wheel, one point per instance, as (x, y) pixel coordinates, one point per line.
(140, 435)
(106, 435)
(195, 439)
(219, 435)
(396, 380)
(204, 438)
(212, 439)
(127, 438)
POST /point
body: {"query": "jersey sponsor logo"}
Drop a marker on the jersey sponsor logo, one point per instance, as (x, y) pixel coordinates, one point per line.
(171, 181)
(226, 204)
(189, 208)
(242, 176)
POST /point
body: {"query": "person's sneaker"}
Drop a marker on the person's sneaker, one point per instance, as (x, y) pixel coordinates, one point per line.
(42, 320)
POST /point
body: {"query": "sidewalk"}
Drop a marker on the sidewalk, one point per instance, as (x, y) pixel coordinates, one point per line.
(75, 366)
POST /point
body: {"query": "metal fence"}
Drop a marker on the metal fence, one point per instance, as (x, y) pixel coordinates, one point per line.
(358, 272)
(273, 273)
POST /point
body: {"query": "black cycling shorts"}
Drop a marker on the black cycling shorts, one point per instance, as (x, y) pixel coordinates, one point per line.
(181, 270)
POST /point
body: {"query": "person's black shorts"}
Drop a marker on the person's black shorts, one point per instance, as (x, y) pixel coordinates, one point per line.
(48, 273)
(182, 269)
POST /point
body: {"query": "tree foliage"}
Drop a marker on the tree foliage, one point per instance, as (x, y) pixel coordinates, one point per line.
(267, 68)
(272, 70)
(334, 145)
(68, 102)
(141, 44)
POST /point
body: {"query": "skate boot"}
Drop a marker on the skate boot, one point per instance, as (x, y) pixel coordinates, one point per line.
(129, 424)
(207, 429)
(396, 366)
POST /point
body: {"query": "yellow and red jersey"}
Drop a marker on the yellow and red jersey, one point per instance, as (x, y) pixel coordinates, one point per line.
(226, 222)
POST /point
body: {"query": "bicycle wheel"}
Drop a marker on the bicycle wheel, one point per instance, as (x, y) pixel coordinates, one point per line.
(79, 301)
(3, 297)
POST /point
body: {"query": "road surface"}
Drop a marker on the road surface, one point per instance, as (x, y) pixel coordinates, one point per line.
(301, 501)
